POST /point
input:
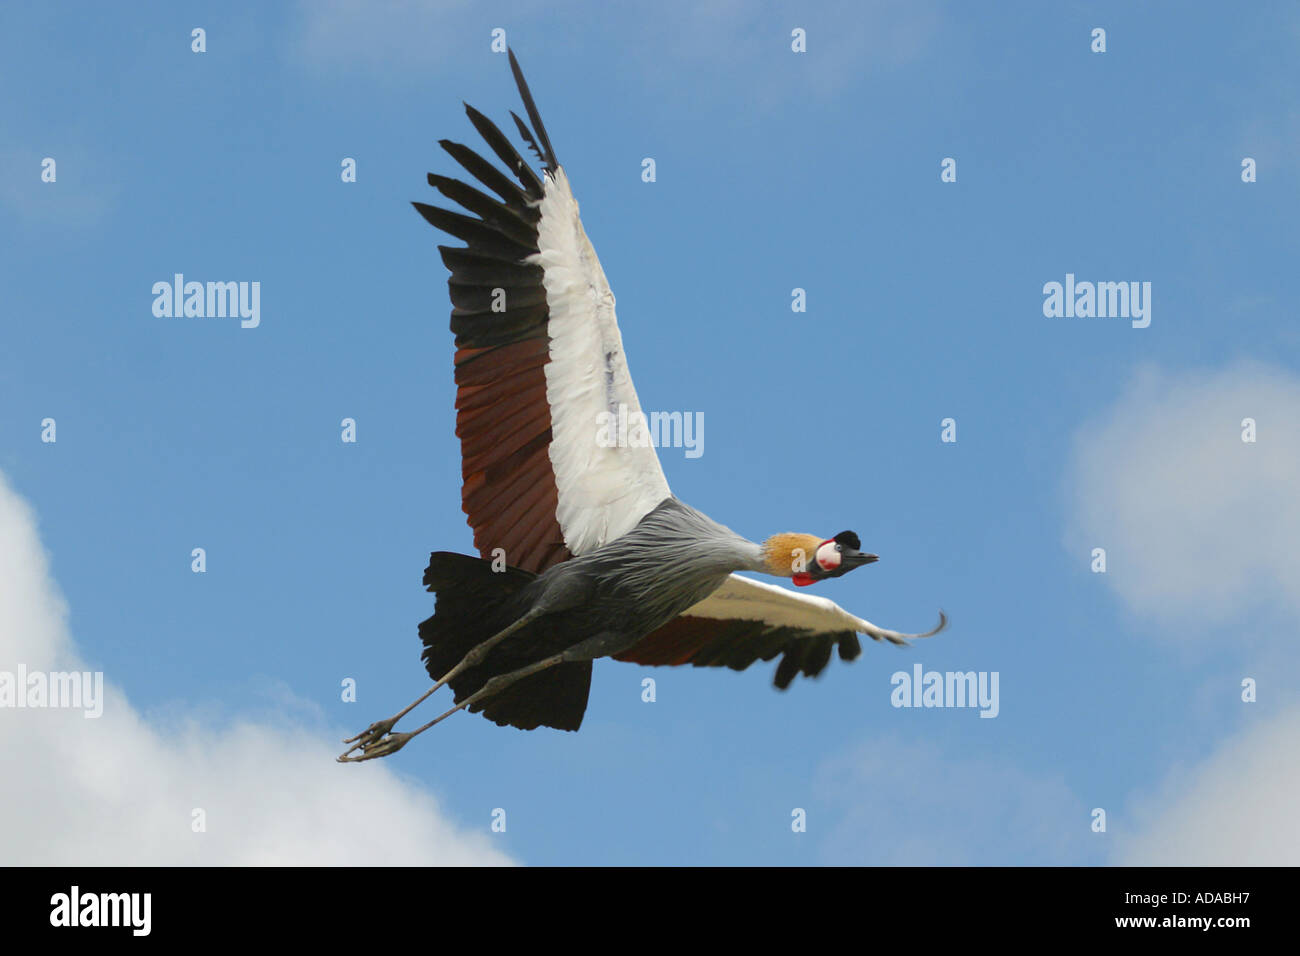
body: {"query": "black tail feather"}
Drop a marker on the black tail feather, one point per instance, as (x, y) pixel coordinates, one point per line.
(473, 603)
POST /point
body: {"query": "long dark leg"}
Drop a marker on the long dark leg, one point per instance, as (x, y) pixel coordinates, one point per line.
(394, 742)
(372, 735)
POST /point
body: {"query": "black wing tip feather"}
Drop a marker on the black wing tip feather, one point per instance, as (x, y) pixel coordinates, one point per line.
(527, 134)
(547, 153)
(513, 200)
(506, 152)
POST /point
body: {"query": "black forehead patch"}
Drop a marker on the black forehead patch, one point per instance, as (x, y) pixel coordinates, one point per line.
(848, 539)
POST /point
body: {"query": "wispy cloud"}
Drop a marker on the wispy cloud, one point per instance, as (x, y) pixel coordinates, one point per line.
(731, 41)
(1199, 526)
(911, 803)
(80, 196)
(123, 789)
(1236, 808)
(1200, 529)
(385, 36)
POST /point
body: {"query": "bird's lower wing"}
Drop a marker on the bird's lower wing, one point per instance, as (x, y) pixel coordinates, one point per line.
(746, 621)
(542, 383)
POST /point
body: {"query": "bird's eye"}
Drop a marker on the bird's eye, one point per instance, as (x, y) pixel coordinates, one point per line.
(838, 548)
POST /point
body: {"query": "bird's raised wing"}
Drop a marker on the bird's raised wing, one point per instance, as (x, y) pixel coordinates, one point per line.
(745, 621)
(539, 360)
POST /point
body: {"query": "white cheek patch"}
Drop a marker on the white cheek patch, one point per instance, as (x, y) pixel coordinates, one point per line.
(828, 558)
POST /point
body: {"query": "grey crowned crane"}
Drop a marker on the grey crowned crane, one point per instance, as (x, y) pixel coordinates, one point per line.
(601, 560)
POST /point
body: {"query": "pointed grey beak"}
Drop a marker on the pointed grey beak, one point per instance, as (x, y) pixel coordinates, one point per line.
(855, 559)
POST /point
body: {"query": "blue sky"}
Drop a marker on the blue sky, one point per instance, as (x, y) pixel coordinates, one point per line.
(775, 170)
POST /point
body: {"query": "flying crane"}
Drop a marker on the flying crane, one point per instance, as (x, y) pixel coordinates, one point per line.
(602, 560)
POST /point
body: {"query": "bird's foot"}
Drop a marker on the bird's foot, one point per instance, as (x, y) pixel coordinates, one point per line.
(377, 740)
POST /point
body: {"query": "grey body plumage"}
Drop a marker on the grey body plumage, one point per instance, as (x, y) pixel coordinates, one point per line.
(674, 558)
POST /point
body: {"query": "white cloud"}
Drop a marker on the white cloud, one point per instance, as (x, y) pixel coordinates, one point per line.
(121, 790)
(384, 35)
(80, 196)
(726, 41)
(1199, 527)
(845, 40)
(1200, 530)
(907, 803)
(1237, 808)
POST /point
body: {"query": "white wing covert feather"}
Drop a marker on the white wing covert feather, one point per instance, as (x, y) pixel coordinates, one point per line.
(741, 598)
(603, 491)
